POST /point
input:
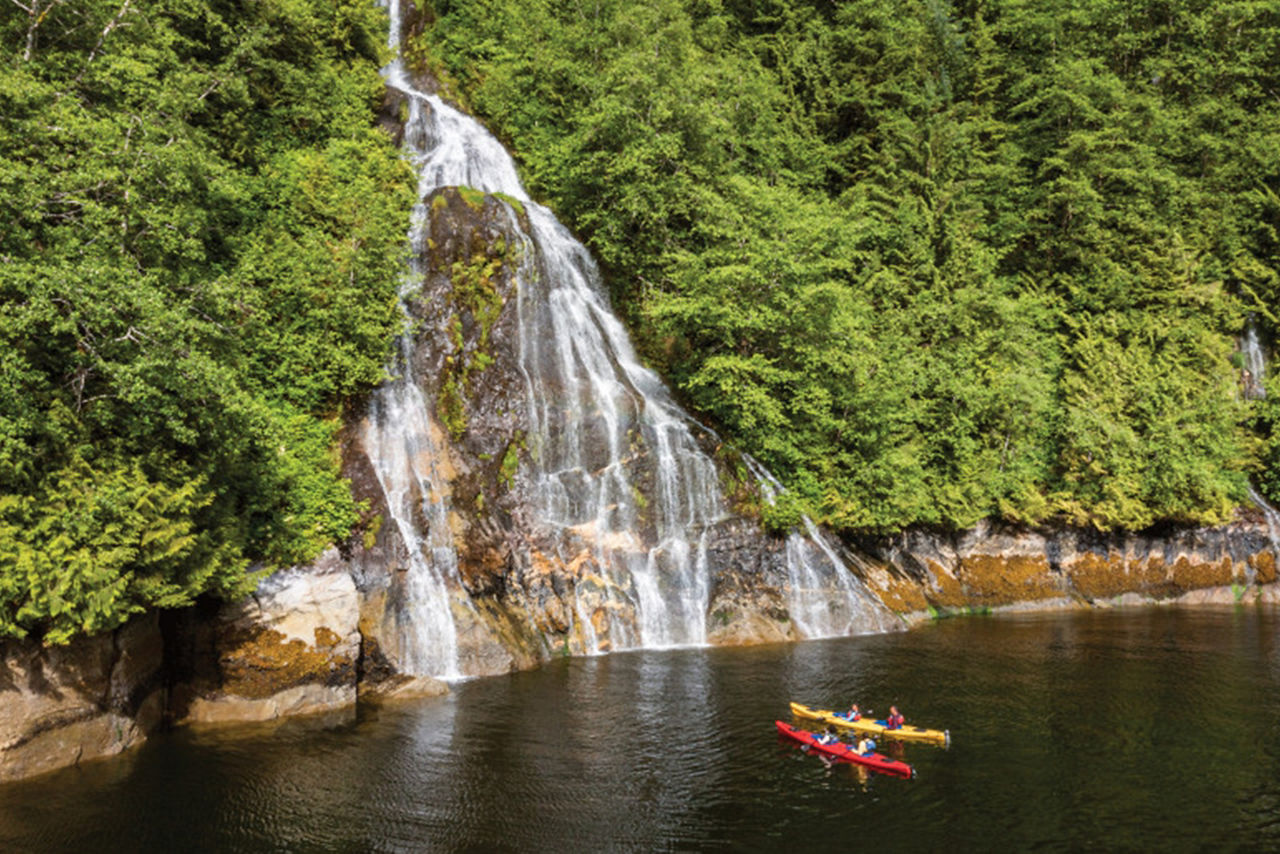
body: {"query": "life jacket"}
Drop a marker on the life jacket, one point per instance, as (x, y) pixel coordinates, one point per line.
(894, 722)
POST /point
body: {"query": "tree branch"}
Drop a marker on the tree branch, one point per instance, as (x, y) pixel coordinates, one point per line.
(106, 31)
(37, 16)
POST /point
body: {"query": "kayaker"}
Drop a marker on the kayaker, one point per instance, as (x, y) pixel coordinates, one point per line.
(865, 745)
(854, 713)
(895, 719)
(829, 737)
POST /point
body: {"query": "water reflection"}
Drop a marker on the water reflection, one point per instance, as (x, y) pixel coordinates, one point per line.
(1135, 730)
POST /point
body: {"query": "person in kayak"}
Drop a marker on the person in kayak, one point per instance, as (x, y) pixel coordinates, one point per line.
(854, 713)
(828, 737)
(894, 720)
(864, 745)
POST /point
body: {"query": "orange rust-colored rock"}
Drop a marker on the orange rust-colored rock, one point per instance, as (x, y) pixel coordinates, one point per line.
(903, 596)
(1004, 580)
(264, 662)
(1096, 577)
(945, 590)
(1264, 567)
(600, 621)
(1150, 576)
(1192, 575)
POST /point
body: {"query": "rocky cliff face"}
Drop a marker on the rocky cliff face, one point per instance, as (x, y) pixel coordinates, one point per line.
(991, 566)
(534, 590)
(94, 697)
(290, 648)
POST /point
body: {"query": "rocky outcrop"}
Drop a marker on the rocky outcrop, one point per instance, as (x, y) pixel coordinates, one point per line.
(531, 590)
(293, 647)
(94, 697)
(467, 357)
(919, 573)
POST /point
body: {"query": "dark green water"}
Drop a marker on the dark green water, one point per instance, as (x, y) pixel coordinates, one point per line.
(1150, 730)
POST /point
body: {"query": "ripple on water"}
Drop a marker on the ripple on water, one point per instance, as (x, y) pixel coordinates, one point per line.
(1126, 730)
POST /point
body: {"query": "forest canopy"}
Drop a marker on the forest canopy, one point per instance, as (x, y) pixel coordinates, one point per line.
(201, 236)
(931, 262)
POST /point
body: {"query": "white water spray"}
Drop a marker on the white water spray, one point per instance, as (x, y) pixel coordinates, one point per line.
(619, 487)
(1255, 362)
(823, 597)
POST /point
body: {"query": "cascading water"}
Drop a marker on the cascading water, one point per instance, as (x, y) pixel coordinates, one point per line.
(614, 480)
(617, 470)
(1255, 364)
(823, 597)
(1255, 367)
(1273, 527)
(399, 438)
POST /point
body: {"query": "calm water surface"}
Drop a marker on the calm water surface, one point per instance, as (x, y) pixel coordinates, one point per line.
(1125, 730)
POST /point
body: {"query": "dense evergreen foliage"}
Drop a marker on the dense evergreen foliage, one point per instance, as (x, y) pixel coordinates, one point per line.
(930, 261)
(200, 238)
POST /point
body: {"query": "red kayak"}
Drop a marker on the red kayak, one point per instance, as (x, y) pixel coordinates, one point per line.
(840, 750)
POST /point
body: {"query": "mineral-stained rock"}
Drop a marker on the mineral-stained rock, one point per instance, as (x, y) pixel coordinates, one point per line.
(291, 648)
(1002, 566)
(94, 697)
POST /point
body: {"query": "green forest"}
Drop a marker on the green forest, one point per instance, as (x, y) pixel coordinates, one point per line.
(201, 238)
(930, 262)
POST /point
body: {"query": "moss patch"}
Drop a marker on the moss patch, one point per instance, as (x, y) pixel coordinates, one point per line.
(1001, 580)
(473, 197)
(903, 596)
(511, 460)
(264, 663)
(946, 590)
(1098, 577)
(1193, 576)
(516, 204)
(476, 304)
(372, 527)
(1264, 567)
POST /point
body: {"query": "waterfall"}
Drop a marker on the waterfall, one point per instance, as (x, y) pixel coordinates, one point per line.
(617, 469)
(617, 472)
(616, 486)
(399, 437)
(823, 597)
(1255, 365)
(1254, 374)
(1273, 527)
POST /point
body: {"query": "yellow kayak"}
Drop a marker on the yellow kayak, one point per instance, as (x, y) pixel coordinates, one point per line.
(942, 738)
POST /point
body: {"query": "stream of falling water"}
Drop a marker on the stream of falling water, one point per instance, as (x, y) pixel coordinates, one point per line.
(399, 438)
(616, 474)
(823, 597)
(1255, 363)
(1255, 368)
